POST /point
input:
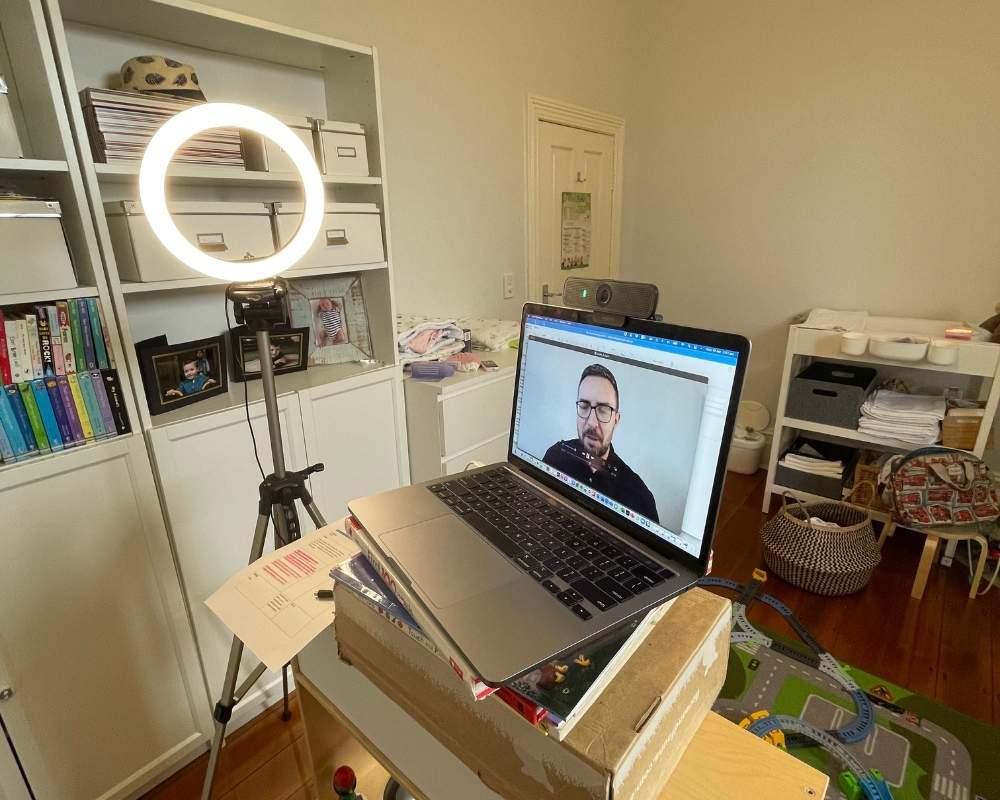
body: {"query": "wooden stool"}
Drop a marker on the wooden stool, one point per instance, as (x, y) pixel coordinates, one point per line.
(934, 536)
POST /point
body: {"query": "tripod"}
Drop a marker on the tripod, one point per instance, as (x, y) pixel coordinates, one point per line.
(261, 306)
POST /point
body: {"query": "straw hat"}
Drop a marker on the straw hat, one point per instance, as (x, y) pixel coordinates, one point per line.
(158, 74)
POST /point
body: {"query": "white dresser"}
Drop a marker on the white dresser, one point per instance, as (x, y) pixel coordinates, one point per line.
(459, 419)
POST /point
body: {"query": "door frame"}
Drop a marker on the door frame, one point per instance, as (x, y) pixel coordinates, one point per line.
(539, 109)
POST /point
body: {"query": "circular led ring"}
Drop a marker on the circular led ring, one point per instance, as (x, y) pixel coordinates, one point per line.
(153, 172)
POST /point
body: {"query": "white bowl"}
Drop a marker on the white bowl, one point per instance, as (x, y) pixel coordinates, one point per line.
(853, 343)
(943, 352)
(898, 347)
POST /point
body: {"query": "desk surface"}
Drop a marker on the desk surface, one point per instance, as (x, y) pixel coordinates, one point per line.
(721, 760)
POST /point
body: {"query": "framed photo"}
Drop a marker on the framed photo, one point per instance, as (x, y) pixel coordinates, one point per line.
(333, 310)
(289, 352)
(177, 375)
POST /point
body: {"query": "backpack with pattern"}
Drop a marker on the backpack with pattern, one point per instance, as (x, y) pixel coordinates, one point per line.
(940, 486)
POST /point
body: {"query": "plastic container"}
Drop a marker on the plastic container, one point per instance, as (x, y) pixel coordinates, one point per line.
(899, 348)
(745, 452)
(853, 343)
(943, 352)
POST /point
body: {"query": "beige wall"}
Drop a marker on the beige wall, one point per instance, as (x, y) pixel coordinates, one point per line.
(783, 155)
(454, 80)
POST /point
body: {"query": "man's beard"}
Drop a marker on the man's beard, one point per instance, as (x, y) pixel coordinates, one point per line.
(591, 445)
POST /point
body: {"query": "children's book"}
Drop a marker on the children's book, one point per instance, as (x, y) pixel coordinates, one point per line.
(72, 416)
(100, 350)
(87, 334)
(90, 401)
(45, 342)
(34, 418)
(66, 335)
(107, 415)
(21, 417)
(31, 324)
(116, 400)
(5, 376)
(6, 449)
(76, 331)
(81, 408)
(55, 337)
(11, 427)
(65, 429)
(48, 414)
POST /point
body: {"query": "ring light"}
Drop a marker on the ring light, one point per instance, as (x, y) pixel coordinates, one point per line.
(153, 171)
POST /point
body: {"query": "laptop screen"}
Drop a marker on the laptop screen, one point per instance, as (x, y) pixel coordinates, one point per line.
(634, 422)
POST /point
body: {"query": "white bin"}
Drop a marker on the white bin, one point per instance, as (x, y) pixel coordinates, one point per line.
(35, 255)
(342, 148)
(748, 442)
(351, 234)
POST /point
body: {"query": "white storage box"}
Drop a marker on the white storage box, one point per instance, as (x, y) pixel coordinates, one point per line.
(228, 231)
(10, 144)
(35, 253)
(341, 148)
(351, 234)
(260, 154)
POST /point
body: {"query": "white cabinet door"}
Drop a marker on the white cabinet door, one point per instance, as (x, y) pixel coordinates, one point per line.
(357, 431)
(92, 629)
(209, 482)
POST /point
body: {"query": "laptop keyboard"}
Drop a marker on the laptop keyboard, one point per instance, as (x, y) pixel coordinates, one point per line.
(584, 567)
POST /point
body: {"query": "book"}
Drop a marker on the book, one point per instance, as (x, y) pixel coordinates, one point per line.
(90, 401)
(18, 373)
(31, 323)
(107, 416)
(107, 340)
(567, 687)
(11, 427)
(41, 396)
(45, 342)
(66, 396)
(5, 376)
(459, 664)
(55, 337)
(6, 450)
(33, 413)
(87, 334)
(100, 349)
(65, 429)
(66, 335)
(116, 400)
(21, 417)
(81, 408)
(360, 577)
(27, 367)
(79, 359)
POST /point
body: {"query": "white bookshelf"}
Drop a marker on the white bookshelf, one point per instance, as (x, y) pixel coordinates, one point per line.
(348, 416)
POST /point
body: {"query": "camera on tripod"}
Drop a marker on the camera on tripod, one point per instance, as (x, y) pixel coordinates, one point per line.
(260, 305)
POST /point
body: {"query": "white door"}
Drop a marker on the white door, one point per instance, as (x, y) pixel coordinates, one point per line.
(576, 180)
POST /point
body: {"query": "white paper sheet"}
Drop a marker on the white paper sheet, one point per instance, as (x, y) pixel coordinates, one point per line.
(271, 604)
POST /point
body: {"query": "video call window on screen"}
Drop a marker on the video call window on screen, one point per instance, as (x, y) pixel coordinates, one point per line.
(634, 422)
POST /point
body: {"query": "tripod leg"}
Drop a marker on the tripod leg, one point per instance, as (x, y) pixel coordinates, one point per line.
(286, 713)
(224, 708)
(313, 511)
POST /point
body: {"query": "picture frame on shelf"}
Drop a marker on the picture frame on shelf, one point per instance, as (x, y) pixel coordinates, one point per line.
(177, 375)
(289, 352)
(333, 309)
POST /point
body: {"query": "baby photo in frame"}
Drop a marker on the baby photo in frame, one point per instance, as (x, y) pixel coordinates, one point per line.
(289, 352)
(176, 375)
(333, 310)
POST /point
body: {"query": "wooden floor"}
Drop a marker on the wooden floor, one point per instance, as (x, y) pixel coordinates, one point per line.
(944, 646)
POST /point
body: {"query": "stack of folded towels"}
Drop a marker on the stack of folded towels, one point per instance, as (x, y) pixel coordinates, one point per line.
(808, 459)
(910, 418)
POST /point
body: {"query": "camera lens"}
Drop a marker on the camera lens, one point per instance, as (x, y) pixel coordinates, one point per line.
(603, 294)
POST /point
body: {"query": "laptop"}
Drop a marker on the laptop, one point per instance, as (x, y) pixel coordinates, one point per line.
(605, 507)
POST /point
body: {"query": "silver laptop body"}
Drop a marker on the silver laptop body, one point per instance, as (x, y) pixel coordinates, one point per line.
(572, 537)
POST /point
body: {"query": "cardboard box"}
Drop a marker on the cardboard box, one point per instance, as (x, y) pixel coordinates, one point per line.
(625, 746)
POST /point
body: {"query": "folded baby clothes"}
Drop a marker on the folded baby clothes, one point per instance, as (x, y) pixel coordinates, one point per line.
(419, 339)
(910, 418)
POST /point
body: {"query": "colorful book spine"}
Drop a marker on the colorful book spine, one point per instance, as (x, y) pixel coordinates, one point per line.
(66, 335)
(107, 339)
(107, 415)
(45, 342)
(90, 401)
(48, 414)
(5, 376)
(66, 396)
(6, 449)
(89, 354)
(21, 417)
(65, 429)
(116, 399)
(11, 427)
(31, 323)
(459, 664)
(100, 348)
(33, 412)
(76, 331)
(55, 339)
(81, 408)
(15, 353)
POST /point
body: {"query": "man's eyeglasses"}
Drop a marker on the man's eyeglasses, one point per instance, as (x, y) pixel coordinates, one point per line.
(603, 410)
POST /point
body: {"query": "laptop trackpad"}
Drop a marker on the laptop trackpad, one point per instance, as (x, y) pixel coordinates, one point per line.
(448, 561)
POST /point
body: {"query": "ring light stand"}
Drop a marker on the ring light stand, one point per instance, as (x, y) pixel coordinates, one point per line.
(259, 302)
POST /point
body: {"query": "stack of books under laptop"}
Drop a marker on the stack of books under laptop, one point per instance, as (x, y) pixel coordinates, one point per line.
(553, 697)
(120, 125)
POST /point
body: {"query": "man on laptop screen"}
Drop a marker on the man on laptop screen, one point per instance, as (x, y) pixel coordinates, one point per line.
(590, 457)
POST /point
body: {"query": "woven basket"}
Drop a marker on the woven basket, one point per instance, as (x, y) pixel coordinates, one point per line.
(822, 560)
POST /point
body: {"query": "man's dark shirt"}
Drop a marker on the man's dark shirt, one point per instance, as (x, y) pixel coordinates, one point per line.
(614, 479)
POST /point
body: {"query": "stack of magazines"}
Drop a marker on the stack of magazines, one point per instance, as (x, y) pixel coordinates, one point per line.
(552, 697)
(120, 125)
